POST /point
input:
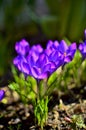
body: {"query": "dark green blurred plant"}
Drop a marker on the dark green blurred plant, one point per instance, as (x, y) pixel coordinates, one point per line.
(70, 15)
(14, 24)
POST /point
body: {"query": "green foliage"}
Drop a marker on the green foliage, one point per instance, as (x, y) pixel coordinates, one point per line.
(25, 89)
(77, 122)
(71, 71)
(41, 111)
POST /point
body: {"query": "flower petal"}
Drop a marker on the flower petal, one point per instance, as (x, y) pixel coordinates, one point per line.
(22, 47)
(18, 61)
(37, 73)
(2, 94)
(67, 59)
(72, 47)
(81, 47)
(42, 60)
(26, 68)
(62, 47)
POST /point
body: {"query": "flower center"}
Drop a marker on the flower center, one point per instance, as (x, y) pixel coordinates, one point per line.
(65, 53)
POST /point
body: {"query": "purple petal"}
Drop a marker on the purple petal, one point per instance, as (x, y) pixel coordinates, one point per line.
(85, 33)
(49, 44)
(54, 56)
(26, 68)
(42, 60)
(2, 94)
(31, 60)
(72, 47)
(43, 76)
(55, 44)
(36, 73)
(52, 67)
(67, 59)
(37, 49)
(59, 62)
(22, 47)
(81, 47)
(71, 54)
(18, 61)
(52, 45)
(35, 56)
(62, 47)
(46, 67)
(84, 49)
(48, 52)
(71, 51)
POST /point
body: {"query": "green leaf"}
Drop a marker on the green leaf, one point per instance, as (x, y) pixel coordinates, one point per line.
(13, 86)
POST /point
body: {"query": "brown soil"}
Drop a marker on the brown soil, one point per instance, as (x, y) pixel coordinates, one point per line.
(14, 115)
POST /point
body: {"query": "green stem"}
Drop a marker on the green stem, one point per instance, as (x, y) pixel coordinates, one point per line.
(54, 84)
(31, 87)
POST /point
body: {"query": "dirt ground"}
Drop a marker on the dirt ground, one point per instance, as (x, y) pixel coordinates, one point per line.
(66, 113)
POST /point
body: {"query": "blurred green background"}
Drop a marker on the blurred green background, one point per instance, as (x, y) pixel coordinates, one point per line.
(38, 21)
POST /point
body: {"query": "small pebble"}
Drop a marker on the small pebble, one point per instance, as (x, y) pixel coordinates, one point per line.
(1, 126)
(14, 121)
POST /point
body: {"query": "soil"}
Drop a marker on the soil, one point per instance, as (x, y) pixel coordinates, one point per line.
(14, 115)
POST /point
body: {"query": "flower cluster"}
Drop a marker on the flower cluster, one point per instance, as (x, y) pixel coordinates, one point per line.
(41, 63)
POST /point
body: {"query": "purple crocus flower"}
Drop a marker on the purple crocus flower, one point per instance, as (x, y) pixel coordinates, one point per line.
(40, 68)
(40, 63)
(66, 51)
(21, 63)
(34, 64)
(82, 47)
(22, 47)
(2, 94)
(53, 55)
(60, 53)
